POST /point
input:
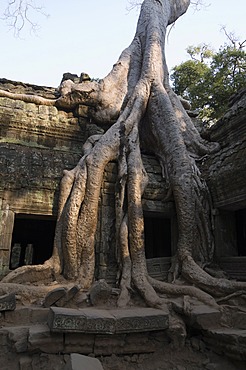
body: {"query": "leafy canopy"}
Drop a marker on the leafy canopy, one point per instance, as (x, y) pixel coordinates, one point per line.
(210, 78)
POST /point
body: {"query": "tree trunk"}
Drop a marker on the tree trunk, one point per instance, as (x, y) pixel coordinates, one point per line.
(145, 113)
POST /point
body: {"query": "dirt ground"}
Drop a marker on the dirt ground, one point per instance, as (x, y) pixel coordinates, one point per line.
(187, 358)
(173, 359)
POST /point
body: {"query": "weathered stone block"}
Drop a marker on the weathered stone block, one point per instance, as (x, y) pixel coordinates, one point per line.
(138, 343)
(19, 104)
(105, 345)
(203, 316)
(41, 339)
(43, 110)
(39, 315)
(140, 320)
(7, 302)
(25, 363)
(70, 294)
(53, 296)
(80, 362)
(26, 315)
(53, 111)
(67, 320)
(231, 342)
(80, 343)
(84, 321)
(18, 338)
(19, 315)
(3, 337)
(4, 343)
(99, 321)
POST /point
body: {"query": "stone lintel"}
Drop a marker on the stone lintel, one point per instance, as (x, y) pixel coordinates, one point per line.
(99, 321)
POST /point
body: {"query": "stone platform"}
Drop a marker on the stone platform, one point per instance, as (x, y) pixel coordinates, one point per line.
(133, 333)
(100, 321)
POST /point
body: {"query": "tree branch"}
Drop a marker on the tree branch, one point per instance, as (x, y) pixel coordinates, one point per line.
(20, 13)
(233, 39)
(199, 4)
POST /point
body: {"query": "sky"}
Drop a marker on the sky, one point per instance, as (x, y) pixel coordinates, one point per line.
(89, 36)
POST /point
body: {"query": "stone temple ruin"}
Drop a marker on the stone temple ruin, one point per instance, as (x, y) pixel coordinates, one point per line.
(37, 143)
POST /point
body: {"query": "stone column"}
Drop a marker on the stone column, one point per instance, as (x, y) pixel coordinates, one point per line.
(6, 230)
(28, 254)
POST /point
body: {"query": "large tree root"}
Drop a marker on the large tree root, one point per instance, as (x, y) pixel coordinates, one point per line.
(27, 98)
(30, 274)
(31, 294)
(145, 114)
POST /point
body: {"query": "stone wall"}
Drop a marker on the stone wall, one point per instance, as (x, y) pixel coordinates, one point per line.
(36, 144)
(225, 170)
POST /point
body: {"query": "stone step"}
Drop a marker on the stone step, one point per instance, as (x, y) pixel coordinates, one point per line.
(204, 317)
(40, 339)
(25, 315)
(32, 338)
(227, 341)
(99, 321)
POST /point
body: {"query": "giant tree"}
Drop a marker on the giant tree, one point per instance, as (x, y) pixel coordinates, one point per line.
(144, 113)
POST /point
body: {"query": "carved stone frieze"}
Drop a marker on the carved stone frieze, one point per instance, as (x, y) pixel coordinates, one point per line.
(96, 321)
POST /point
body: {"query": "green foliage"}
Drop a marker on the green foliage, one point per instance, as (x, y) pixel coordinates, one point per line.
(210, 78)
(189, 80)
(201, 52)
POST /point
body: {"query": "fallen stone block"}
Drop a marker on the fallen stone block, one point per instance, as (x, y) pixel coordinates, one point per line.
(205, 317)
(80, 362)
(70, 294)
(54, 296)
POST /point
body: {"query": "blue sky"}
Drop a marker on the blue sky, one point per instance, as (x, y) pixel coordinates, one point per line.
(88, 36)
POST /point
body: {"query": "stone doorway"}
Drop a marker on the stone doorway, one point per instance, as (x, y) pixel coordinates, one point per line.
(241, 231)
(32, 240)
(157, 236)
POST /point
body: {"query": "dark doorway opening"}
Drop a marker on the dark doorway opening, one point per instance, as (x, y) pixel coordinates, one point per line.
(241, 231)
(32, 240)
(157, 232)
